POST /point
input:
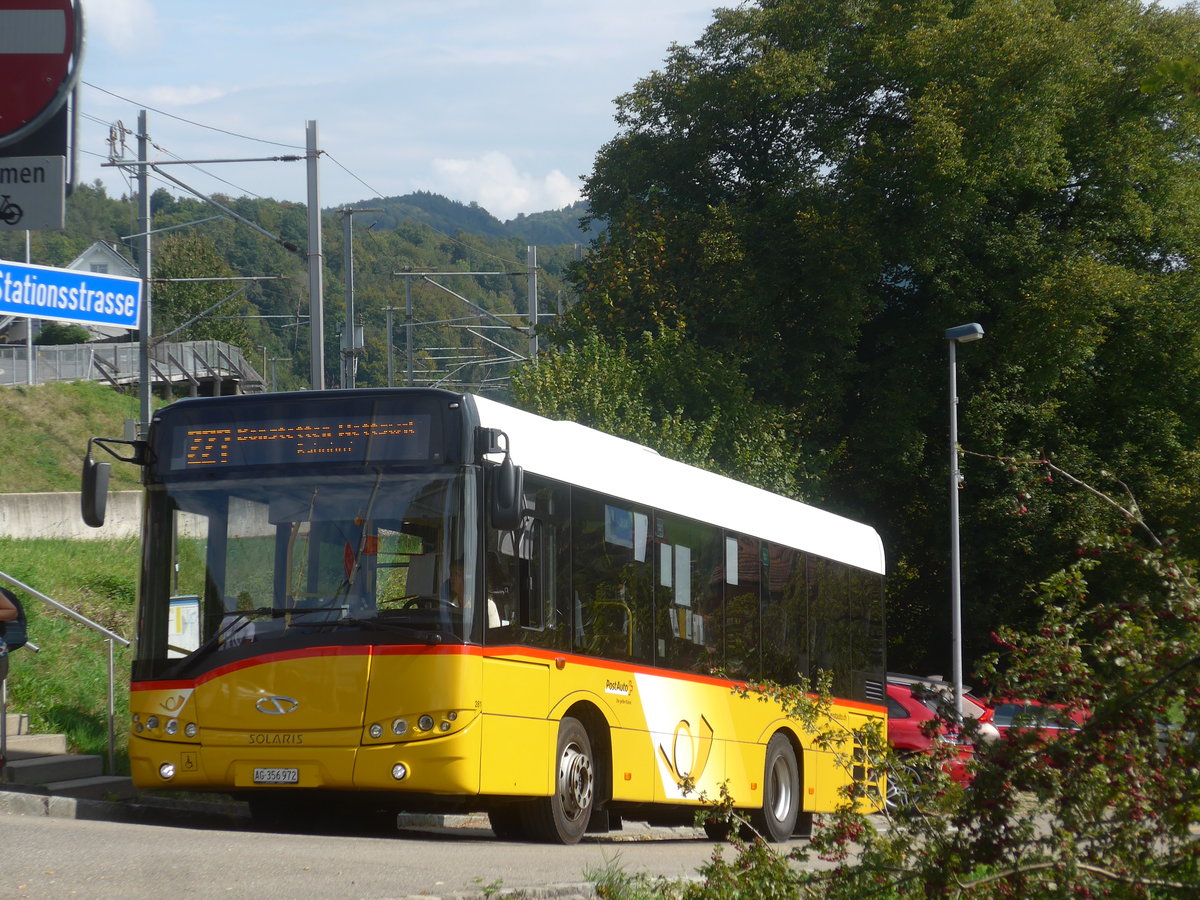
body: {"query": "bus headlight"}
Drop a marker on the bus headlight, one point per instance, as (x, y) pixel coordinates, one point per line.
(399, 726)
(190, 729)
(376, 730)
(172, 726)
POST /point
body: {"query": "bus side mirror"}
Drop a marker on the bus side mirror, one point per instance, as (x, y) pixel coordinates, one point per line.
(93, 498)
(507, 495)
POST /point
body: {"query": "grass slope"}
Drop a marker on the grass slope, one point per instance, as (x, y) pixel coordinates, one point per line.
(44, 430)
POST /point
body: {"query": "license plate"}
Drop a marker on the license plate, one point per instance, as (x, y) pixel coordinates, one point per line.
(276, 776)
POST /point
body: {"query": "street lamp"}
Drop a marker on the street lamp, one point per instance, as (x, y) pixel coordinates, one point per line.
(960, 334)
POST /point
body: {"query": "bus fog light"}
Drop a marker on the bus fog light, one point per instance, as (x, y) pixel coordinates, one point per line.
(425, 723)
(399, 771)
(376, 730)
(190, 729)
(166, 771)
(399, 726)
(444, 726)
(172, 726)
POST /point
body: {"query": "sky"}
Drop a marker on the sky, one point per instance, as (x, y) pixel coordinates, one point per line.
(503, 104)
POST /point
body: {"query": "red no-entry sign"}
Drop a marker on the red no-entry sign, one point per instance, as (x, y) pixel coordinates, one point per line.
(40, 46)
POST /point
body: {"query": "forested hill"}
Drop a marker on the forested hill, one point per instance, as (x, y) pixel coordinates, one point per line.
(467, 331)
(552, 228)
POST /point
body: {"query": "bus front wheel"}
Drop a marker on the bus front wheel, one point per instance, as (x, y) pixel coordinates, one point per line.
(507, 822)
(781, 792)
(562, 818)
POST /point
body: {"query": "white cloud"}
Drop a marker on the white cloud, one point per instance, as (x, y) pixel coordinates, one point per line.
(493, 181)
(123, 25)
(181, 96)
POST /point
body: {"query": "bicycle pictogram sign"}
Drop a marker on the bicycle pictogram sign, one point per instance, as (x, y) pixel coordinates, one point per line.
(10, 213)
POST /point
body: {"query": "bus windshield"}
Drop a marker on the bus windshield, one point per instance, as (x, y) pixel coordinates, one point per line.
(255, 564)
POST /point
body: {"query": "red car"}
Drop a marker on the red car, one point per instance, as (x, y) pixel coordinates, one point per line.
(1047, 719)
(911, 703)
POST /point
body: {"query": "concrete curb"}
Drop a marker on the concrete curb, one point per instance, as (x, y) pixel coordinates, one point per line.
(160, 811)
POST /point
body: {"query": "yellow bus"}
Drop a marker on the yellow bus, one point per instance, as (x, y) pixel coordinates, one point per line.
(391, 600)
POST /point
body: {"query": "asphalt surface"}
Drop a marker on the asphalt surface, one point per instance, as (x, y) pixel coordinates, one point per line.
(467, 840)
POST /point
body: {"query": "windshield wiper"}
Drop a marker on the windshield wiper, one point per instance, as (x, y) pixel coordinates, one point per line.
(239, 620)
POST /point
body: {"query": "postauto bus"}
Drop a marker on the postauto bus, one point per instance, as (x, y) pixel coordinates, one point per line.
(375, 601)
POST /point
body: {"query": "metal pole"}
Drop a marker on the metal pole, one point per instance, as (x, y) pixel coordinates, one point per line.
(348, 276)
(352, 343)
(3, 706)
(112, 710)
(263, 348)
(955, 555)
(30, 376)
(316, 288)
(391, 367)
(531, 252)
(144, 271)
(408, 328)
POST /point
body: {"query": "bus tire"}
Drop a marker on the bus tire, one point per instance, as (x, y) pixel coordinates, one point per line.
(562, 818)
(781, 792)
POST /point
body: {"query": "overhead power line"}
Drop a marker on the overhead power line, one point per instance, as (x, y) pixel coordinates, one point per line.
(192, 122)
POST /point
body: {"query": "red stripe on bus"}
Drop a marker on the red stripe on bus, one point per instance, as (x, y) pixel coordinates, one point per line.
(537, 653)
(634, 668)
(306, 653)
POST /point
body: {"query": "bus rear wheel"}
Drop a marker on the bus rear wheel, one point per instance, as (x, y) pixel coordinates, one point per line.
(781, 792)
(562, 818)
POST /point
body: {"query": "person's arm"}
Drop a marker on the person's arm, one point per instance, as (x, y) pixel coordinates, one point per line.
(8, 609)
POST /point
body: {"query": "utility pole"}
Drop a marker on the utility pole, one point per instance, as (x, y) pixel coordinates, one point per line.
(144, 271)
(531, 252)
(408, 330)
(143, 166)
(316, 262)
(390, 368)
(352, 334)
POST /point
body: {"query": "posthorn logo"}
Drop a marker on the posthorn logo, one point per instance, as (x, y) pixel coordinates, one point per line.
(276, 706)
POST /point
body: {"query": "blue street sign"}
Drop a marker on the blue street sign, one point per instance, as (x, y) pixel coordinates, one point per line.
(68, 295)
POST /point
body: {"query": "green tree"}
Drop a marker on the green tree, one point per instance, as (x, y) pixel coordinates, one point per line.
(1106, 808)
(196, 310)
(54, 333)
(662, 391)
(814, 191)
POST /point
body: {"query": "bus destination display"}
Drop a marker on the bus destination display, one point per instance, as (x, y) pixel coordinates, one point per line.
(310, 440)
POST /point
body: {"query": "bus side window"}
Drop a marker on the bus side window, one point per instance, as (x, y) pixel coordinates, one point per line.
(531, 576)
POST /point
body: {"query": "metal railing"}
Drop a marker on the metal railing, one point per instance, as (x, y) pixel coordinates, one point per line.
(184, 363)
(112, 638)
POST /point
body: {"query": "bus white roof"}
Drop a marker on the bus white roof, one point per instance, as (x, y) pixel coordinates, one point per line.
(576, 454)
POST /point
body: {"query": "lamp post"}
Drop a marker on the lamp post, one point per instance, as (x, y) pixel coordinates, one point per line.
(960, 334)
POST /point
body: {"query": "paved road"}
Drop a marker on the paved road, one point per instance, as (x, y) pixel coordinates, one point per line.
(47, 857)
